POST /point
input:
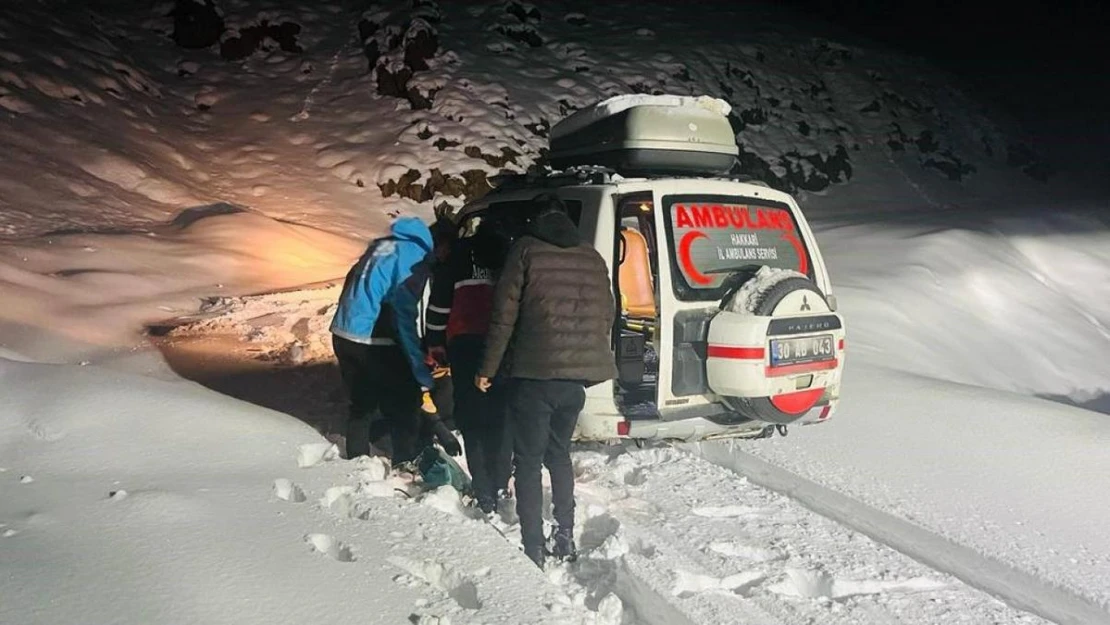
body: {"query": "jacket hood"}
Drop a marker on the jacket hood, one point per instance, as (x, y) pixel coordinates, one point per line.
(412, 229)
(555, 228)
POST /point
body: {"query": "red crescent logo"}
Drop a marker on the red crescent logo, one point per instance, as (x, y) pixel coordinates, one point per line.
(687, 262)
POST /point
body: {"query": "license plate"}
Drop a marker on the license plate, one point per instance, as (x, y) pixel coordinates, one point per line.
(801, 350)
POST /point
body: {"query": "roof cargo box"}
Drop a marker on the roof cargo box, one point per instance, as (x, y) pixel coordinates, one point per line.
(647, 134)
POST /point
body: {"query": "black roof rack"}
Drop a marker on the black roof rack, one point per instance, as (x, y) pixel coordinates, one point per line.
(594, 174)
(551, 178)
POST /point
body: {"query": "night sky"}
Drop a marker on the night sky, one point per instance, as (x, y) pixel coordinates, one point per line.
(1048, 63)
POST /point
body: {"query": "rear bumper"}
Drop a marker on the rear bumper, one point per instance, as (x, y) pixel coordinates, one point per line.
(725, 425)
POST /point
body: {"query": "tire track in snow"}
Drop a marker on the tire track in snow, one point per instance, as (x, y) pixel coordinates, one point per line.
(715, 549)
(1017, 588)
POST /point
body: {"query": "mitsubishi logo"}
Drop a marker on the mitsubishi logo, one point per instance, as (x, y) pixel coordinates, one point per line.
(805, 303)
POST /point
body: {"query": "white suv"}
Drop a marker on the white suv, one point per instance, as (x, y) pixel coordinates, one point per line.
(728, 325)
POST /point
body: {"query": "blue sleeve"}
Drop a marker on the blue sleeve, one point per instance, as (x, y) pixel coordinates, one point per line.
(406, 308)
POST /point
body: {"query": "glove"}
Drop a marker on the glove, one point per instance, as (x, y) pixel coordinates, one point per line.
(428, 405)
(447, 440)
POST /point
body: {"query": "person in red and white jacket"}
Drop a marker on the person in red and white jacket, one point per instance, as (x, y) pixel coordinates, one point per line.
(456, 322)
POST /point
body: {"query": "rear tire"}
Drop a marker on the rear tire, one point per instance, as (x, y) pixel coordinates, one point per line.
(769, 300)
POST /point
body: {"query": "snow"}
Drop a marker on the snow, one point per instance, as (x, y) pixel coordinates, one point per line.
(144, 186)
(99, 290)
(935, 454)
(1013, 300)
(164, 502)
(642, 506)
(747, 297)
(145, 128)
(313, 454)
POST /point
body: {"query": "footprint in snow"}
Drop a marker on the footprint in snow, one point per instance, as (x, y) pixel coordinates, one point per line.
(458, 587)
(313, 454)
(635, 477)
(341, 501)
(727, 512)
(747, 552)
(286, 490)
(329, 546)
(690, 584)
(815, 584)
(596, 530)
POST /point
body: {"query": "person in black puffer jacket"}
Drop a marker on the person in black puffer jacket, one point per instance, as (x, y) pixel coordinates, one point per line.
(550, 335)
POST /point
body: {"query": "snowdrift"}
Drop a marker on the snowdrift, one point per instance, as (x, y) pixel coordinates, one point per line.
(76, 296)
(1017, 301)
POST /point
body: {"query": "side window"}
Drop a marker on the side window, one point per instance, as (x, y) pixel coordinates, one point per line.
(637, 274)
(637, 212)
(574, 211)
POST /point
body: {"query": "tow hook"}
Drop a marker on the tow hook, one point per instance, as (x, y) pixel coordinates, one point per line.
(781, 429)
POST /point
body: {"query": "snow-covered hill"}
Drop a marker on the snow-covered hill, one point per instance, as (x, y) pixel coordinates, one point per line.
(119, 116)
(311, 112)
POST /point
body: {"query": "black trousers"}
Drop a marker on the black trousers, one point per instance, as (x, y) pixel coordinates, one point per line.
(384, 400)
(543, 414)
(481, 419)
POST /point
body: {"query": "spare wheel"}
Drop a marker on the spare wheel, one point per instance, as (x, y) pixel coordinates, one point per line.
(776, 348)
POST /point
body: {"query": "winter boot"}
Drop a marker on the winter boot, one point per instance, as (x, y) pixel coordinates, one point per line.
(536, 555)
(487, 504)
(563, 546)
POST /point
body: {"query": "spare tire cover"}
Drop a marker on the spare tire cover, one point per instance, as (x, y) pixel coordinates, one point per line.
(768, 292)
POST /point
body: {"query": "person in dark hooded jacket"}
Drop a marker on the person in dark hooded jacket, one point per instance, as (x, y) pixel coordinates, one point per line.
(458, 319)
(550, 335)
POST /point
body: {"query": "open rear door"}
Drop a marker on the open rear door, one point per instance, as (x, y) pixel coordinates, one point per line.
(682, 326)
(635, 284)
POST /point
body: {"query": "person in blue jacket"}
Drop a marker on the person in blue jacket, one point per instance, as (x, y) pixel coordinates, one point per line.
(378, 346)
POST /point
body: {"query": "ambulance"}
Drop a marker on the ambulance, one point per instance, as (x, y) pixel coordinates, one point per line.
(728, 324)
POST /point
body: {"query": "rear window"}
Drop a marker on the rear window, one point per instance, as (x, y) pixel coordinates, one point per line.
(713, 236)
